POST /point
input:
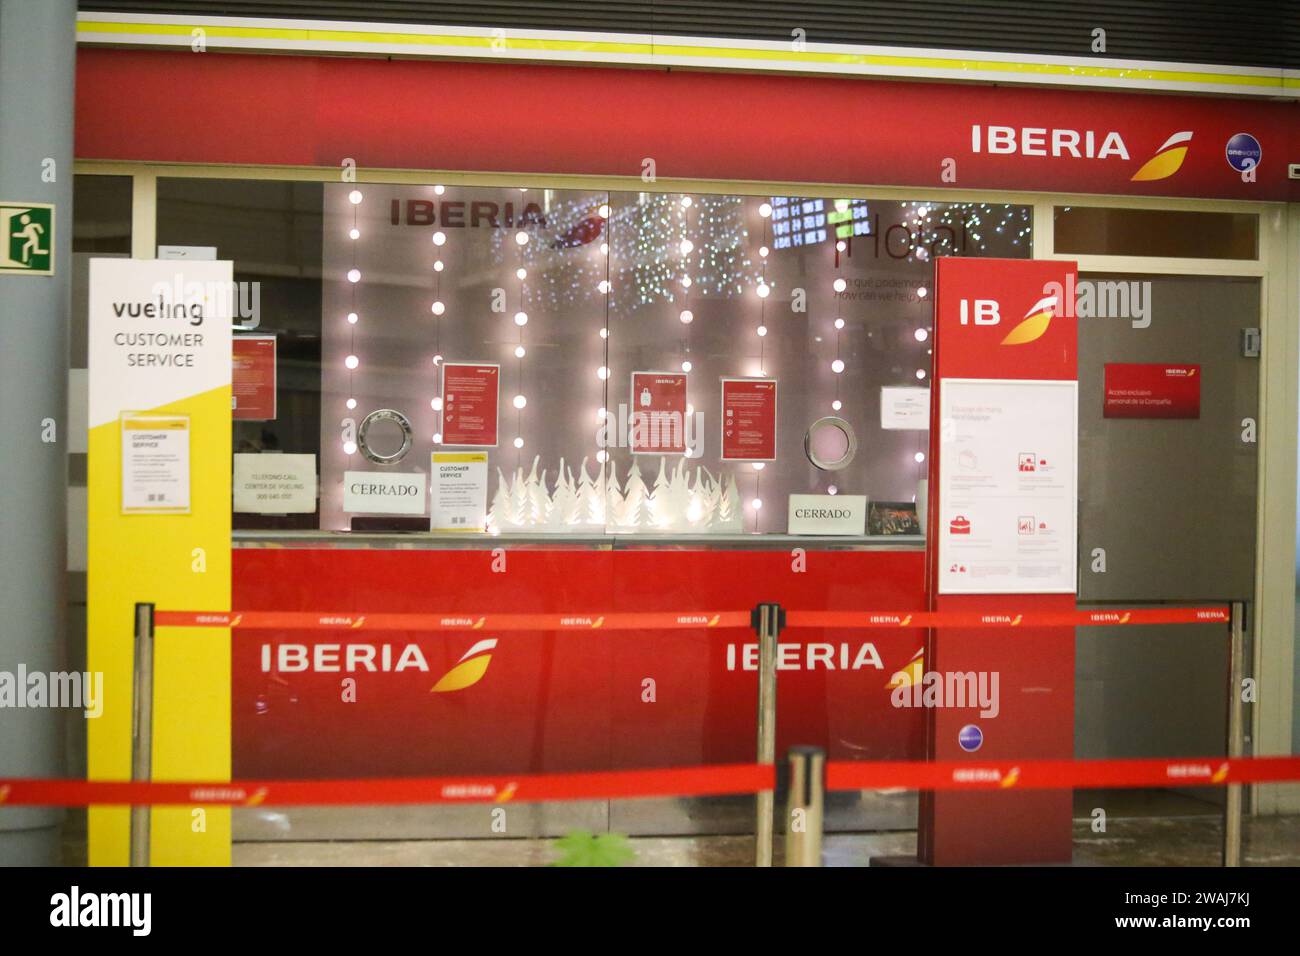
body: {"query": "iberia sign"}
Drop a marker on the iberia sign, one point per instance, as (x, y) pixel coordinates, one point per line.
(887, 133)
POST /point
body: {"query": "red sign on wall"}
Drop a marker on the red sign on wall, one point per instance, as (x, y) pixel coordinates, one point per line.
(748, 419)
(1004, 318)
(398, 113)
(252, 392)
(470, 399)
(657, 423)
(1152, 391)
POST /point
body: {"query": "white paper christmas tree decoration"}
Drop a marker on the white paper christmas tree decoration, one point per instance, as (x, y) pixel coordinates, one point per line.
(518, 499)
(678, 503)
(611, 496)
(679, 496)
(591, 497)
(634, 514)
(730, 516)
(538, 501)
(564, 502)
(660, 504)
(499, 516)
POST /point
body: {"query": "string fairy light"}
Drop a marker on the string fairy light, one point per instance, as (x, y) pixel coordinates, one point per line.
(351, 362)
(438, 309)
(520, 400)
(763, 290)
(602, 455)
(686, 316)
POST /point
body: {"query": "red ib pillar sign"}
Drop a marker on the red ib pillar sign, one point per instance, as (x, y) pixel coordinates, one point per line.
(1002, 540)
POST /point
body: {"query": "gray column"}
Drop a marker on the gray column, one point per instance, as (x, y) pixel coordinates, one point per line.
(37, 67)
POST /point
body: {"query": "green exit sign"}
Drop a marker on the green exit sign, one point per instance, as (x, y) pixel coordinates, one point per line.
(26, 238)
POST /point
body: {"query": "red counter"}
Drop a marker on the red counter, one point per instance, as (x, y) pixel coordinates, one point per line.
(577, 700)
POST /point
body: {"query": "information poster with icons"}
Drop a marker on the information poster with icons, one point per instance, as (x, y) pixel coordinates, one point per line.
(470, 403)
(1008, 475)
(748, 419)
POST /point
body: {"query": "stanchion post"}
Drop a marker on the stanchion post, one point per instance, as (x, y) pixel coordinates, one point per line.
(767, 620)
(803, 834)
(142, 729)
(1236, 734)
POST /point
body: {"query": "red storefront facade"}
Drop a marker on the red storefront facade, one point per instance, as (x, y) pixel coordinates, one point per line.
(555, 701)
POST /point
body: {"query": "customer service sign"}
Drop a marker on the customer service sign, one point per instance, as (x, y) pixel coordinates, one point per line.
(159, 333)
(159, 531)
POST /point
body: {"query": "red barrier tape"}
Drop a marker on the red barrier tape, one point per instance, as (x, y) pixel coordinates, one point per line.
(1118, 616)
(304, 620)
(312, 620)
(1058, 774)
(714, 780)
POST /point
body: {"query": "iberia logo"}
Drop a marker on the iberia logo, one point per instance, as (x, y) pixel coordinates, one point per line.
(469, 670)
(1034, 325)
(1167, 160)
(911, 673)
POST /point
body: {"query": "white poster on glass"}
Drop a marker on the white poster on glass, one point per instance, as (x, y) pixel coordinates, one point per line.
(904, 408)
(274, 483)
(1008, 474)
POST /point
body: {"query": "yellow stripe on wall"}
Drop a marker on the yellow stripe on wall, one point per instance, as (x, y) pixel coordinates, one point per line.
(154, 558)
(705, 55)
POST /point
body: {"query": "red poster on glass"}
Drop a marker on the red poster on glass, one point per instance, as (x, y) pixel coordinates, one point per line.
(1152, 391)
(469, 404)
(657, 424)
(748, 419)
(252, 379)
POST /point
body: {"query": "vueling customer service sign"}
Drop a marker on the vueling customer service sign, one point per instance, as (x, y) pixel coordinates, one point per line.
(159, 527)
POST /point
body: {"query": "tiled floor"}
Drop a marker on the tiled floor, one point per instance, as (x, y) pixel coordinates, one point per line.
(1143, 829)
(1162, 841)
